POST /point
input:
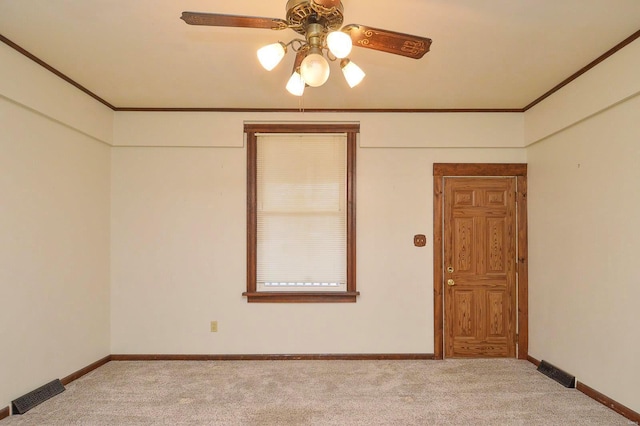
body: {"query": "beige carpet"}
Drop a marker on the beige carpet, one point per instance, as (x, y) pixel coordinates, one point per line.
(451, 392)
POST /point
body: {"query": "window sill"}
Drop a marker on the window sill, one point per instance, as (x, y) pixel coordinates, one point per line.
(301, 297)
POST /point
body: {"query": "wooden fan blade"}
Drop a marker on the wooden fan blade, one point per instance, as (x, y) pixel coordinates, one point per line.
(220, 20)
(407, 45)
(300, 55)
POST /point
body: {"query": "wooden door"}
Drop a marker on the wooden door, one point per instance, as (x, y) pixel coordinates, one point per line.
(479, 267)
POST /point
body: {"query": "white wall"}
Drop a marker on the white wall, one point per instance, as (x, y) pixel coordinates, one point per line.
(54, 227)
(584, 217)
(378, 130)
(28, 84)
(584, 210)
(610, 82)
(179, 230)
(54, 250)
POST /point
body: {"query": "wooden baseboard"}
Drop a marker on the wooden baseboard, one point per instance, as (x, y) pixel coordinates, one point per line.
(5, 412)
(533, 361)
(605, 400)
(257, 357)
(89, 368)
(601, 398)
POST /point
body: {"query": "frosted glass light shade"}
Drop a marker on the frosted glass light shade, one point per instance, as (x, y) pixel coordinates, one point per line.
(271, 55)
(314, 70)
(352, 73)
(339, 44)
(295, 86)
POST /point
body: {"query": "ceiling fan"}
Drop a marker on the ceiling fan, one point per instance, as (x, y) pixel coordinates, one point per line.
(319, 22)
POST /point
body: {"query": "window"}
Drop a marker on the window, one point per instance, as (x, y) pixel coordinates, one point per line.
(301, 213)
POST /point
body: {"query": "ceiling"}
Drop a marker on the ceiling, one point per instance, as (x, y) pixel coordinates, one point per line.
(486, 54)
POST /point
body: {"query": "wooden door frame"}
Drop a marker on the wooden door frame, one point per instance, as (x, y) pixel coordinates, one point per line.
(517, 170)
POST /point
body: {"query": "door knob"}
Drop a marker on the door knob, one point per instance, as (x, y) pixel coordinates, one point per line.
(451, 282)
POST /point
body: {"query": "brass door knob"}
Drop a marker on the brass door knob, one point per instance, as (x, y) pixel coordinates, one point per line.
(451, 282)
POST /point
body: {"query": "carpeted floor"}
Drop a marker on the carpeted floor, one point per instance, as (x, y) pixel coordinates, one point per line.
(451, 392)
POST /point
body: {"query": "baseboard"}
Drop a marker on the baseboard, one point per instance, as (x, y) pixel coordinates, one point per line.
(6, 412)
(258, 357)
(89, 368)
(605, 400)
(533, 361)
(601, 398)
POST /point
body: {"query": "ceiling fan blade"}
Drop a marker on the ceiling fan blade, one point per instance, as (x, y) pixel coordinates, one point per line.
(407, 45)
(300, 55)
(220, 20)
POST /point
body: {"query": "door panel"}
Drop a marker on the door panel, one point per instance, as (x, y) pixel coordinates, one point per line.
(464, 324)
(463, 229)
(479, 256)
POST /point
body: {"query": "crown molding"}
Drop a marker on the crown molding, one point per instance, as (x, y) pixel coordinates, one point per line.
(559, 86)
(586, 68)
(324, 110)
(51, 69)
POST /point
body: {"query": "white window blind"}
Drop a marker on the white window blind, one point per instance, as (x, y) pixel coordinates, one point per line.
(301, 212)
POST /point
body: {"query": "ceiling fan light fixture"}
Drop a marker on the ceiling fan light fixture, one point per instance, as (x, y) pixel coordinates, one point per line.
(296, 84)
(352, 73)
(271, 55)
(339, 43)
(315, 68)
(320, 23)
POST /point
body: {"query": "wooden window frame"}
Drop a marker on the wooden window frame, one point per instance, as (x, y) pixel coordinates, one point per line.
(252, 294)
(517, 170)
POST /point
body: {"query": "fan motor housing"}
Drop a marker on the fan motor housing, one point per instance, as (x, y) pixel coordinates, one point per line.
(300, 13)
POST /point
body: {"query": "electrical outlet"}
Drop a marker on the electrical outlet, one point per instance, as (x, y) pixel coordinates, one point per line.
(214, 326)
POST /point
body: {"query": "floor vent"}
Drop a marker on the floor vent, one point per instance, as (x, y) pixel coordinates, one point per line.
(562, 377)
(38, 396)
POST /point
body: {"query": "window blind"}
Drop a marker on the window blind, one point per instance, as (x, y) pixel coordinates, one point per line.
(301, 212)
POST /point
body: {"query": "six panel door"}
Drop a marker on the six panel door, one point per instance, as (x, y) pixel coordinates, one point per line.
(479, 267)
